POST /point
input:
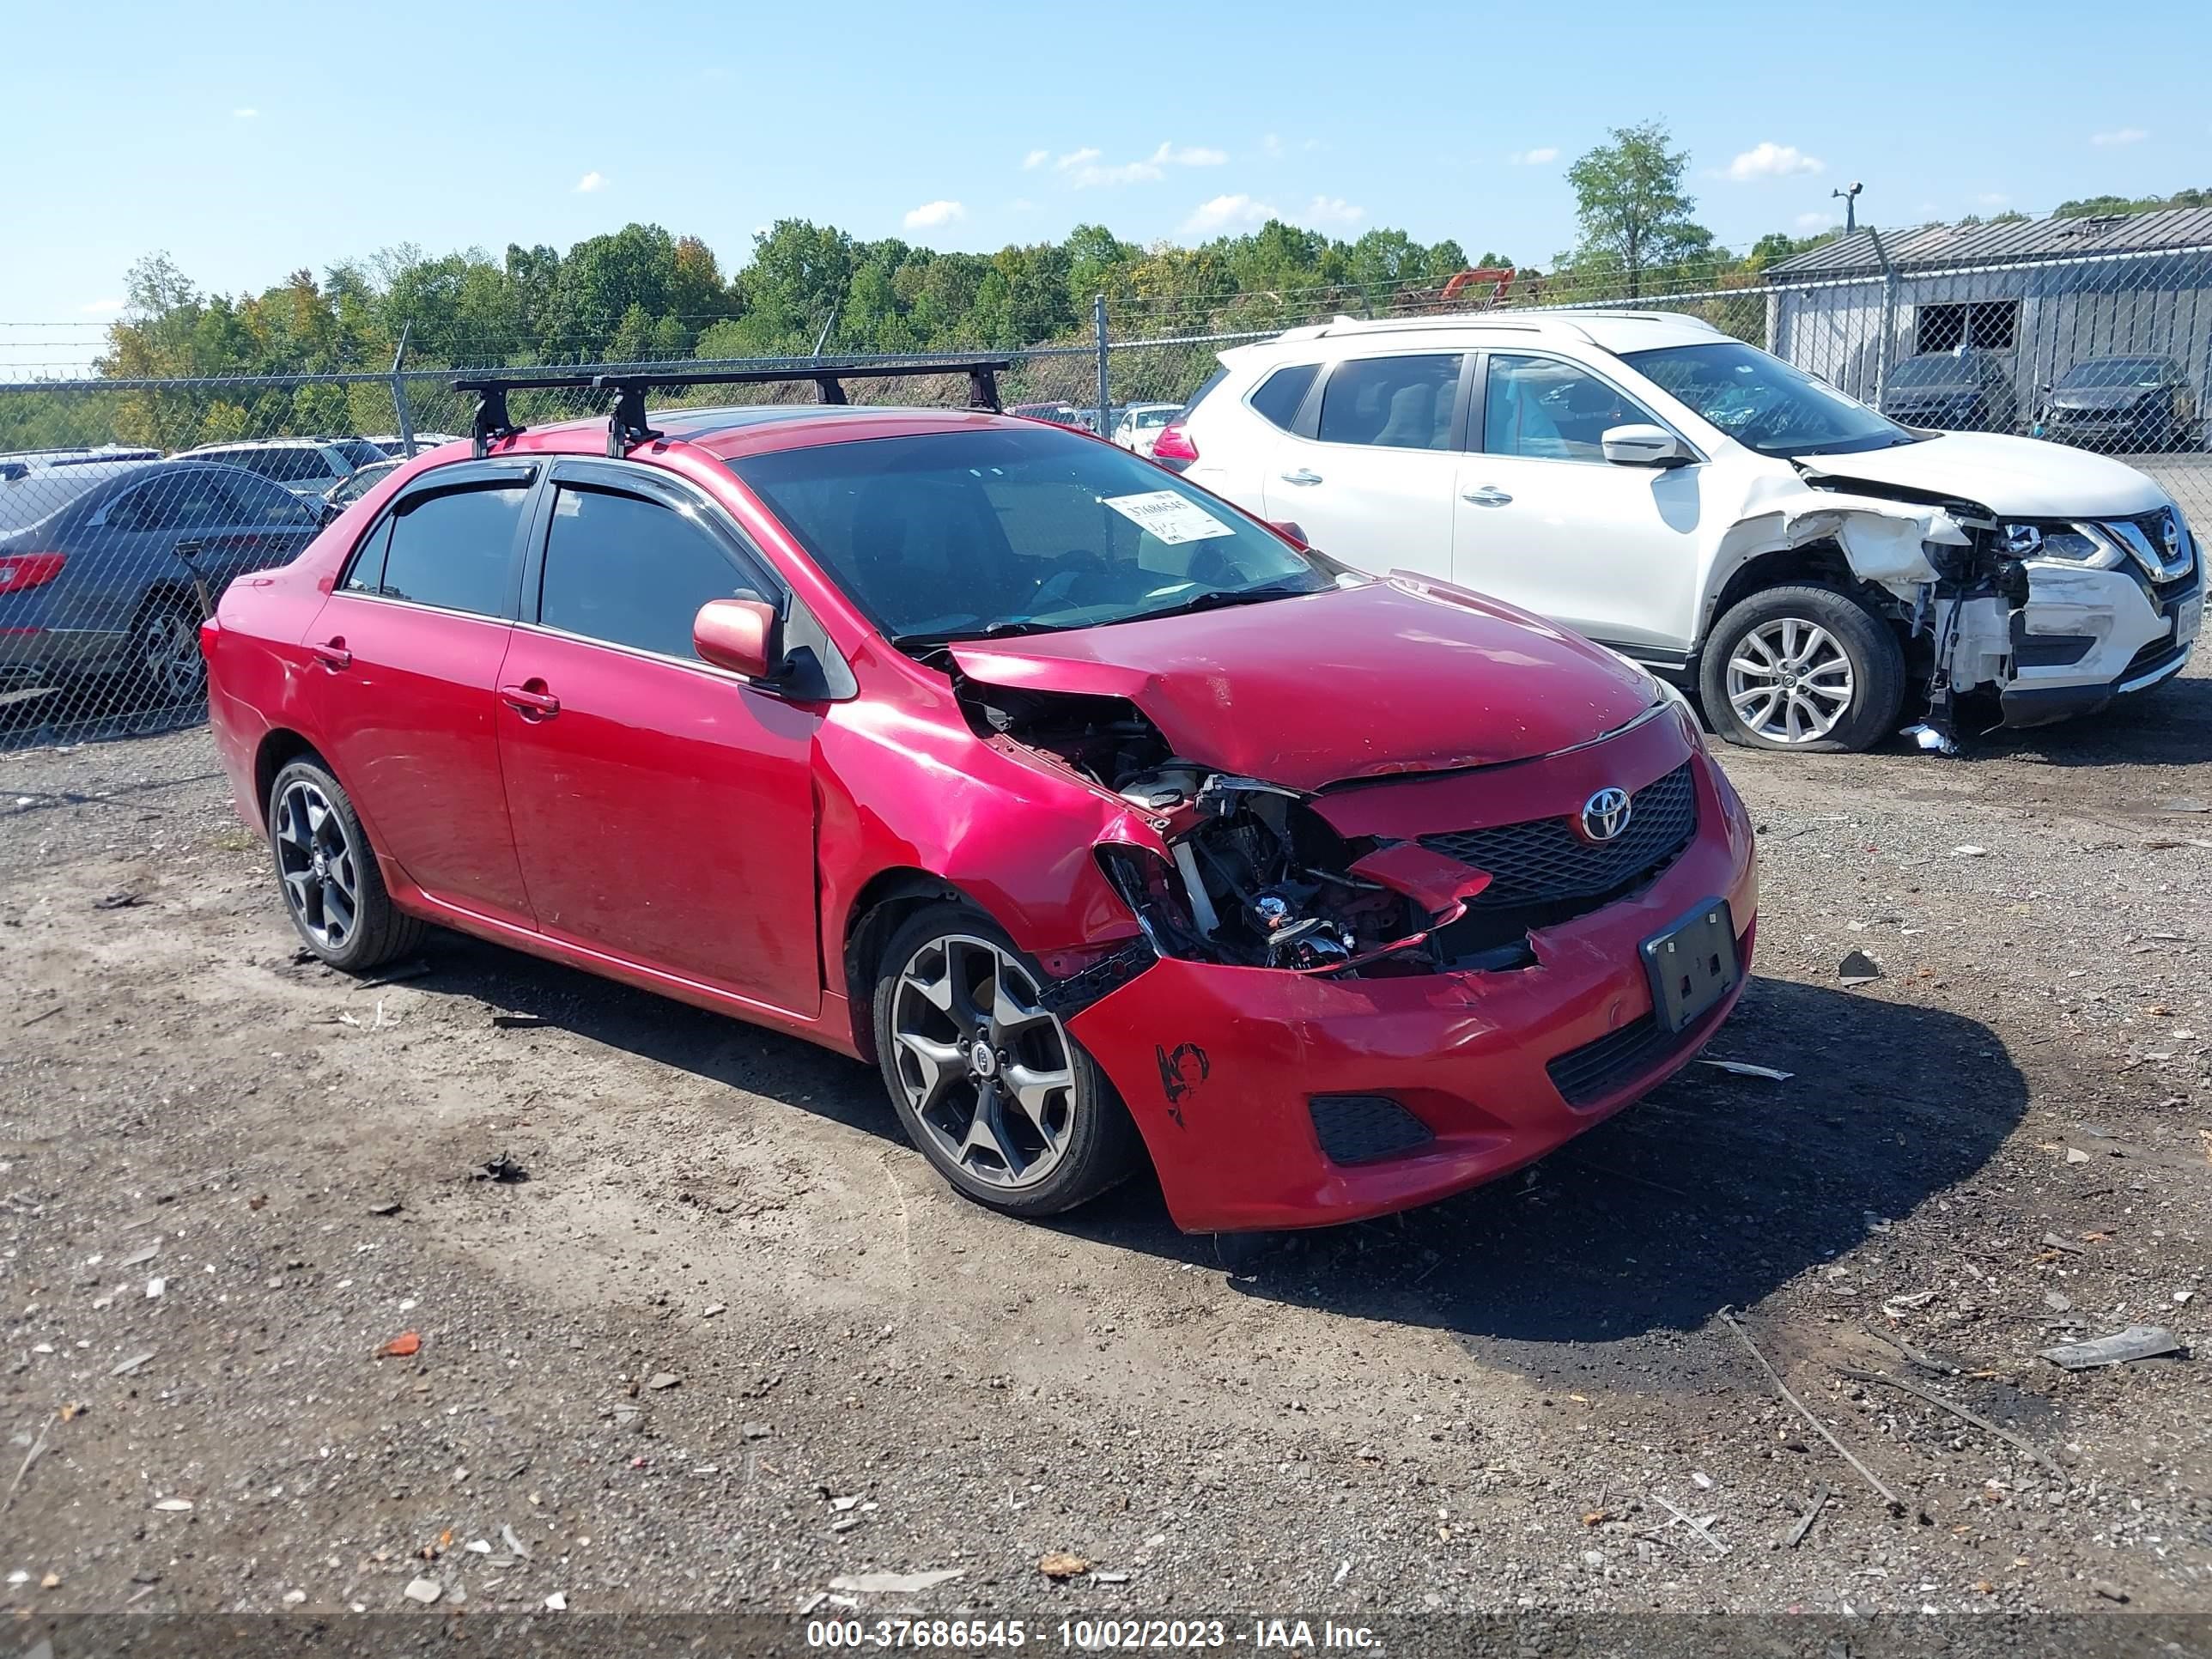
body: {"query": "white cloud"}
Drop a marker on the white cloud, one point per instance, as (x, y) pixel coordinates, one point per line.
(1188, 156)
(1809, 223)
(1035, 158)
(1535, 158)
(1129, 172)
(2119, 136)
(1270, 146)
(930, 215)
(244, 114)
(591, 182)
(100, 307)
(1772, 161)
(1076, 158)
(1226, 213)
(1325, 210)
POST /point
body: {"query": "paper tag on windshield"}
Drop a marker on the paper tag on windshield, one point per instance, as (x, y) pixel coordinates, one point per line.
(1169, 517)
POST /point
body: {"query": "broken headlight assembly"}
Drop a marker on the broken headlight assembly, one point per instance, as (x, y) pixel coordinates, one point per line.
(2074, 544)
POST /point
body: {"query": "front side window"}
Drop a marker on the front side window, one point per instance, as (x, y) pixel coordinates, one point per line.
(959, 535)
(260, 502)
(454, 551)
(1763, 403)
(631, 571)
(1552, 410)
(1277, 399)
(1391, 403)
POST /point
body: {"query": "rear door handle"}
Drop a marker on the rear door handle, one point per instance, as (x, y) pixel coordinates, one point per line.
(532, 702)
(1488, 496)
(1302, 476)
(332, 654)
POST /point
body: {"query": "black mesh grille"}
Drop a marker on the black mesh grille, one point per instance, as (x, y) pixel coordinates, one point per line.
(1586, 1075)
(1360, 1128)
(1544, 861)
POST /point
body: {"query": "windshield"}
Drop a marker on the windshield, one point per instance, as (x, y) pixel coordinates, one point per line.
(959, 535)
(2115, 371)
(1937, 369)
(1763, 404)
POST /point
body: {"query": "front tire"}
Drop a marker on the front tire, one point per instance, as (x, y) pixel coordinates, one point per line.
(987, 1083)
(1803, 668)
(327, 872)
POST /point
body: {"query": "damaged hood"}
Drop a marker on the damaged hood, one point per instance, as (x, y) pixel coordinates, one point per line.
(1387, 677)
(2013, 477)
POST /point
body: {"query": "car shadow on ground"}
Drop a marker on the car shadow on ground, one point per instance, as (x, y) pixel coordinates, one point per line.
(2168, 725)
(1717, 1189)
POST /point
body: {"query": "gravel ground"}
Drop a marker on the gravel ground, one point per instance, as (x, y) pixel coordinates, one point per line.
(731, 1340)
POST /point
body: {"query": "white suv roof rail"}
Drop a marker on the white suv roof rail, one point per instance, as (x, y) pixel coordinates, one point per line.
(1525, 322)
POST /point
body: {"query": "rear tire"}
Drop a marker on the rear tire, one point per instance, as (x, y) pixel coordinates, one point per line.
(327, 872)
(164, 665)
(988, 1086)
(1803, 668)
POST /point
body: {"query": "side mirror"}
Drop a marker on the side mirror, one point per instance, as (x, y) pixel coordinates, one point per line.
(739, 635)
(1646, 446)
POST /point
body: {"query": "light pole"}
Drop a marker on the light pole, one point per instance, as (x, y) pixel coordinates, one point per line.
(1850, 206)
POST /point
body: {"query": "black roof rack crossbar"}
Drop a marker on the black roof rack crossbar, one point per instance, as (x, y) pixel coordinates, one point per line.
(627, 425)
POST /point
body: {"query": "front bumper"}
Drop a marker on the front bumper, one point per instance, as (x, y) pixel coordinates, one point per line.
(2087, 636)
(1220, 1065)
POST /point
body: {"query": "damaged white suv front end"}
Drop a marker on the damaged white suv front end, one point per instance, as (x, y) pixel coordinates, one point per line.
(2055, 579)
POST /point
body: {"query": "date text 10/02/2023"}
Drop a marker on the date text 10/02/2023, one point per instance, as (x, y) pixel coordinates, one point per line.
(1088, 1635)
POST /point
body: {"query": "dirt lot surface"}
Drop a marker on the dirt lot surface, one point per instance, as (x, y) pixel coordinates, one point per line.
(732, 1339)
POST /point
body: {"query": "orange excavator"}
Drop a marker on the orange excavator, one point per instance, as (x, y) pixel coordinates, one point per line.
(1464, 290)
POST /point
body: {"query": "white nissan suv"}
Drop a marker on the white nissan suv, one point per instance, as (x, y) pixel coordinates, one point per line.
(1815, 569)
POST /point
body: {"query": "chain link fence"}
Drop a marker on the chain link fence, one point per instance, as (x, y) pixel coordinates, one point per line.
(125, 505)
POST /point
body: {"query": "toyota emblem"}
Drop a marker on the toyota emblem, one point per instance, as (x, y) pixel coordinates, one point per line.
(1605, 815)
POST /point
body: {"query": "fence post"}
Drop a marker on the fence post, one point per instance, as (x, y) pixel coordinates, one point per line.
(1105, 397)
(1888, 316)
(399, 394)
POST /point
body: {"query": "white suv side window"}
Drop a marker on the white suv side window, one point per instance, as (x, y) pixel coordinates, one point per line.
(1392, 403)
(1552, 410)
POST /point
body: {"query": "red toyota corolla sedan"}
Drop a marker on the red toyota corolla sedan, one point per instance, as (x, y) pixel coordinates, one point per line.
(1108, 822)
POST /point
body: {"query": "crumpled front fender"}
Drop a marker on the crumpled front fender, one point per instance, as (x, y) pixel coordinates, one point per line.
(1883, 541)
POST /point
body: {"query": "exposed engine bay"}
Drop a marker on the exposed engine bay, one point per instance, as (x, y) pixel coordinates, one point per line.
(1257, 877)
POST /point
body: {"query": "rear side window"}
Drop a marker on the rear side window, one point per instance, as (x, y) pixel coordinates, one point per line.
(1392, 403)
(631, 572)
(454, 551)
(199, 499)
(260, 502)
(1279, 396)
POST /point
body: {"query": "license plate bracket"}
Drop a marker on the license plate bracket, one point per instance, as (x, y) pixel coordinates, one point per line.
(1692, 965)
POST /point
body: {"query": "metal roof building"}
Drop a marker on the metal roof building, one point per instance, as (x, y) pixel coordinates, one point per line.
(2038, 295)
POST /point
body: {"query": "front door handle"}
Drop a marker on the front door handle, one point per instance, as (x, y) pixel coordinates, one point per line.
(1302, 476)
(1487, 495)
(331, 653)
(532, 700)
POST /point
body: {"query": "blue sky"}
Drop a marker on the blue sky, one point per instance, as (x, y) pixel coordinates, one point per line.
(249, 140)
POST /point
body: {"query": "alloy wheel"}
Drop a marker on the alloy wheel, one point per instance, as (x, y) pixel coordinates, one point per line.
(1789, 681)
(317, 862)
(170, 655)
(986, 1070)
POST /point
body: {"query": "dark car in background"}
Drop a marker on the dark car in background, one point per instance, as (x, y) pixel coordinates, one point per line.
(307, 466)
(100, 565)
(2121, 405)
(348, 490)
(1953, 392)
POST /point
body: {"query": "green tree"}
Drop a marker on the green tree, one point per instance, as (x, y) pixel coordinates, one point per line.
(1631, 209)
